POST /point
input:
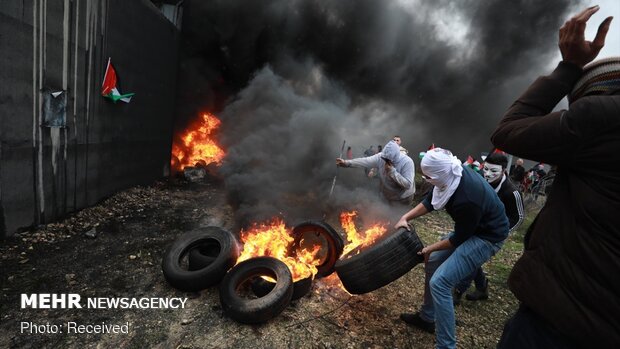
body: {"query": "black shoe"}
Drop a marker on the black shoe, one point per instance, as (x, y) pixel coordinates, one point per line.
(417, 321)
(479, 295)
(456, 297)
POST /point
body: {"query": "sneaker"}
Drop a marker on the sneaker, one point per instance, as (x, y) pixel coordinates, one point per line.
(479, 295)
(417, 321)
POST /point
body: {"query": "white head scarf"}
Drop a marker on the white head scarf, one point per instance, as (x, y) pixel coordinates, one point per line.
(445, 172)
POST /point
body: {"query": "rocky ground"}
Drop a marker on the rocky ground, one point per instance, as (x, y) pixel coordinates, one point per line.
(115, 248)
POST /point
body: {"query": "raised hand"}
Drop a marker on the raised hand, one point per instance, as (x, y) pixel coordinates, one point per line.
(573, 44)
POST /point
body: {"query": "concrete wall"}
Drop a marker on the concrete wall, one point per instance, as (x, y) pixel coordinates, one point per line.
(46, 172)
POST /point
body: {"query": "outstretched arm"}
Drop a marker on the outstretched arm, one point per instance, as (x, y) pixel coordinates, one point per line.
(367, 162)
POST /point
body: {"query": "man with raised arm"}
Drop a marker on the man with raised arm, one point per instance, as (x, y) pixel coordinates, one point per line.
(566, 280)
(396, 172)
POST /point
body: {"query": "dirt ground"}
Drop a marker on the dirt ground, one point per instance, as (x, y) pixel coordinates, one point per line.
(133, 229)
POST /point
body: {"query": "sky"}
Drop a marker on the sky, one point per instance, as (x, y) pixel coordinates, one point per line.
(608, 8)
(453, 26)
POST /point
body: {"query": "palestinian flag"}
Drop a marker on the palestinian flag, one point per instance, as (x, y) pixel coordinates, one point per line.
(470, 160)
(108, 89)
(431, 147)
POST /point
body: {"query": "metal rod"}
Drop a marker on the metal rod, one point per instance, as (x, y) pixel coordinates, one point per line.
(334, 181)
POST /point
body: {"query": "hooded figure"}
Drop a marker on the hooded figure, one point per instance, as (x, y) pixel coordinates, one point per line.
(396, 172)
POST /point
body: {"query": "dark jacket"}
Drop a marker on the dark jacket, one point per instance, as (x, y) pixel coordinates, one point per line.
(568, 273)
(513, 202)
(517, 173)
(476, 210)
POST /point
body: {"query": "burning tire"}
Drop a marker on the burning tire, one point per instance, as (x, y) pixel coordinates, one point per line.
(380, 264)
(209, 275)
(332, 241)
(262, 287)
(259, 310)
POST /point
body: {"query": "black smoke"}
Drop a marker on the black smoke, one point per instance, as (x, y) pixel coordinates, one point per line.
(291, 79)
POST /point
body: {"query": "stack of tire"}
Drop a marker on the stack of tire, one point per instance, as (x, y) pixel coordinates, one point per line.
(212, 253)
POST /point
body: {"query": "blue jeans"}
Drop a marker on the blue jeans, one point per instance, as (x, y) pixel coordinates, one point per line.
(478, 277)
(444, 270)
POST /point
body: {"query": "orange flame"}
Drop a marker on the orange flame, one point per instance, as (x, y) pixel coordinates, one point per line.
(198, 144)
(274, 239)
(356, 239)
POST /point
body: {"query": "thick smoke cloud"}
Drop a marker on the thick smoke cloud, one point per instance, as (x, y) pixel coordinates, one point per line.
(282, 138)
(304, 75)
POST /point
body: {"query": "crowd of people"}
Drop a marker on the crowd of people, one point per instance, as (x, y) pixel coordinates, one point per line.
(565, 282)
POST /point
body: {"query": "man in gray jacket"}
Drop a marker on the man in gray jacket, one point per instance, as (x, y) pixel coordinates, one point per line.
(396, 172)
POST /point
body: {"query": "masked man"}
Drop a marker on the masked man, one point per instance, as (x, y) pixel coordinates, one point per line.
(494, 171)
(396, 171)
(480, 228)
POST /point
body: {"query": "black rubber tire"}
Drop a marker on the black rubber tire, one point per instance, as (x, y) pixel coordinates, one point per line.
(262, 287)
(213, 273)
(255, 311)
(335, 244)
(378, 265)
(203, 255)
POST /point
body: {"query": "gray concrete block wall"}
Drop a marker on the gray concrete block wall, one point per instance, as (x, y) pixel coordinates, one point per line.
(105, 147)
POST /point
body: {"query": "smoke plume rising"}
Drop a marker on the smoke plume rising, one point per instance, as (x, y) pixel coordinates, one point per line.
(292, 79)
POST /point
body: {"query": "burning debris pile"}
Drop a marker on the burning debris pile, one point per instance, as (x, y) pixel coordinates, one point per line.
(196, 151)
(262, 182)
(275, 263)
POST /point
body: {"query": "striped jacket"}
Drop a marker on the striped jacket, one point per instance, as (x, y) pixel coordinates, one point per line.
(513, 202)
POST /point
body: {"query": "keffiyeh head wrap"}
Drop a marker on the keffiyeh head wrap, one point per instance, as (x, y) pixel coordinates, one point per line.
(598, 77)
(444, 171)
